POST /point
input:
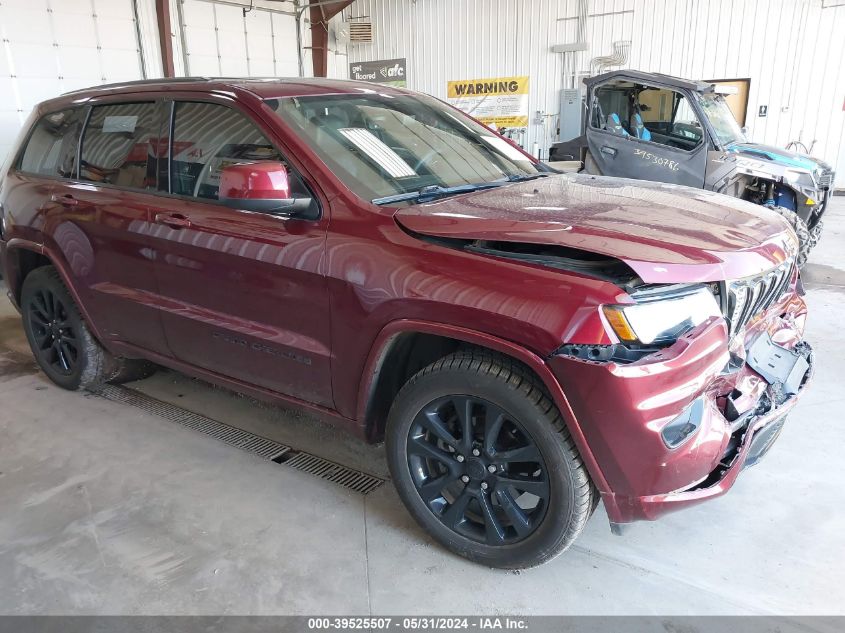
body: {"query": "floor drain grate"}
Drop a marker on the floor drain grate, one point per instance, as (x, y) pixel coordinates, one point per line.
(330, 471)
(261, 446)
(350, 478)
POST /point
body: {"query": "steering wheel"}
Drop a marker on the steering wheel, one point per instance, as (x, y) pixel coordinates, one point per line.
(423, 162)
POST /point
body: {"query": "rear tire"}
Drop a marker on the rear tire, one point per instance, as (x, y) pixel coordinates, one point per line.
(527, 494)
(60, 340)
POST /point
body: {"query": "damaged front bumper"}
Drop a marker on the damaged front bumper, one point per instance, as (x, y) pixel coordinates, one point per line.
(676, 427)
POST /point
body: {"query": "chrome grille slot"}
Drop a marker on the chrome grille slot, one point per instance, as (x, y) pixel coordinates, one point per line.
(826, 179)
(749, 297)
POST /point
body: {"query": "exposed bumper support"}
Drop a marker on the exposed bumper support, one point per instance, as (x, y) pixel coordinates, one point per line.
(624, 409)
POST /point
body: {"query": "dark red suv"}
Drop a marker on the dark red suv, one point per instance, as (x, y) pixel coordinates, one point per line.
(525, 342)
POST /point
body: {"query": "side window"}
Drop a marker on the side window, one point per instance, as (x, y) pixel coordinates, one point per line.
(120, 145)
(611, 110)
(208, 137)
(648, 113)
(669, 117)
(51, 148)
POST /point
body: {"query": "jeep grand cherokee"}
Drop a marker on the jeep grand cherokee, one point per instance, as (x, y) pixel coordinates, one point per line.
(526, 343)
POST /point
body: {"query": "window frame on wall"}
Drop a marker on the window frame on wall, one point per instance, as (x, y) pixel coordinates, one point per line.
(742, 94)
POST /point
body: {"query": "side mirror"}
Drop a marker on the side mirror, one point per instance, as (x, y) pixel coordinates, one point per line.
(263, 187)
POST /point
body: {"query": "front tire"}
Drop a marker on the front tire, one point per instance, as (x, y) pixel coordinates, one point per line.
(805, 240)
(481, 458)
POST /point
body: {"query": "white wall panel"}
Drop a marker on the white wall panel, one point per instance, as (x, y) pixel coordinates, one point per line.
(793, 51)
(221, 40)
(284, 47)
(53, 46)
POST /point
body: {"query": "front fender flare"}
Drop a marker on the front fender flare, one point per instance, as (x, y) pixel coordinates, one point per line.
(388, 335)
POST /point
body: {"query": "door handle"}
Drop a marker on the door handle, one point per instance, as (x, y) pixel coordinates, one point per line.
(608, 150)
(173, 220)
(66, 200)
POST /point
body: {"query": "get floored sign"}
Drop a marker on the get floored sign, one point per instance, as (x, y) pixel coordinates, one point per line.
(384, 71)
(501, 101)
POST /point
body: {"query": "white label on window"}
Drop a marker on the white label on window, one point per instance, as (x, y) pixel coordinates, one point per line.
(389, 160)
(505, 148)
(120, 124)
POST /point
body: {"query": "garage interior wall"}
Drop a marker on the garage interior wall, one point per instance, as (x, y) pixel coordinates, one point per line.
(791, 50)
(217, 39)
(55, 46)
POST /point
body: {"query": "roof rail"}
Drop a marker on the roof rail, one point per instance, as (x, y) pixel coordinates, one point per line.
(141, 82)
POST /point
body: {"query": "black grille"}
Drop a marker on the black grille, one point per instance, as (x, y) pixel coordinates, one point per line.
(746, 298)
(763, 441)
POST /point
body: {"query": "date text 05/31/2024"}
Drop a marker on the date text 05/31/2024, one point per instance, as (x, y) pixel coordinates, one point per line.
(418, 623)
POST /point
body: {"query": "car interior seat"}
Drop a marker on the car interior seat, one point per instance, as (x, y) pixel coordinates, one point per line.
(638, 127)
(613, 124)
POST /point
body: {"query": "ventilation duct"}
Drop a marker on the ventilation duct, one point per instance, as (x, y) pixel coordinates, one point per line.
(354, 33)
(621, 50)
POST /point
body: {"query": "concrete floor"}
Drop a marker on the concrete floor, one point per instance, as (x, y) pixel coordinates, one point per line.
(108, 510)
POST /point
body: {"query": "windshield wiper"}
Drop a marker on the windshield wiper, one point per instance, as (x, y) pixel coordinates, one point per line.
(431, 192)
(515, 178)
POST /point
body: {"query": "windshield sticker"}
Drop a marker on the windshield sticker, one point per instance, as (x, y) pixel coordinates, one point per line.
(657, 160)
(386, 158)
(112, 124)
(505, 148)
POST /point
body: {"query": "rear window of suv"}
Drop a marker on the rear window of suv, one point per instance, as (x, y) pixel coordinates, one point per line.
(120, 145)
(51, 147)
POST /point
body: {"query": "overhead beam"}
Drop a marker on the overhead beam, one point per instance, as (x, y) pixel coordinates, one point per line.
(320, 13)
(165, 37)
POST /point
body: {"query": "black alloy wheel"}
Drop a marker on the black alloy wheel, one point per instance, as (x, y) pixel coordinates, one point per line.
(56, 343)
(60, 339)
(478, 470)
(482, 459)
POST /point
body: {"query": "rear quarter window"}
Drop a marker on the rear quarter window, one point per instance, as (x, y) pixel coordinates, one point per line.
(51, 147)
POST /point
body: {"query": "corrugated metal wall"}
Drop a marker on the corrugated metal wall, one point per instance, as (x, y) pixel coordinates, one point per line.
(793, 51)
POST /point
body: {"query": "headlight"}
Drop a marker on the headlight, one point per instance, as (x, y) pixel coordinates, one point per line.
(793, 175)
(662, 318)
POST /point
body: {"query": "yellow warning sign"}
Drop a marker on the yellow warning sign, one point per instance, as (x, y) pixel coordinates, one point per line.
(499, 101)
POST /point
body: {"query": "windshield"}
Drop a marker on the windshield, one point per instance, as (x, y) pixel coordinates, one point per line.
(721, 118)
(386, 145)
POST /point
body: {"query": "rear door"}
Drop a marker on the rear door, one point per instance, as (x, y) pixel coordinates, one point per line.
(245, 294)
(93, 214)
(106, 221)
(49, 155)
(646, 133)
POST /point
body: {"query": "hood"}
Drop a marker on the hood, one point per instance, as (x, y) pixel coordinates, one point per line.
(665, 233)
(777, 155)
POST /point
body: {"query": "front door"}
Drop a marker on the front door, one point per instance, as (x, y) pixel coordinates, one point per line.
(647, 133)
(243, 293)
